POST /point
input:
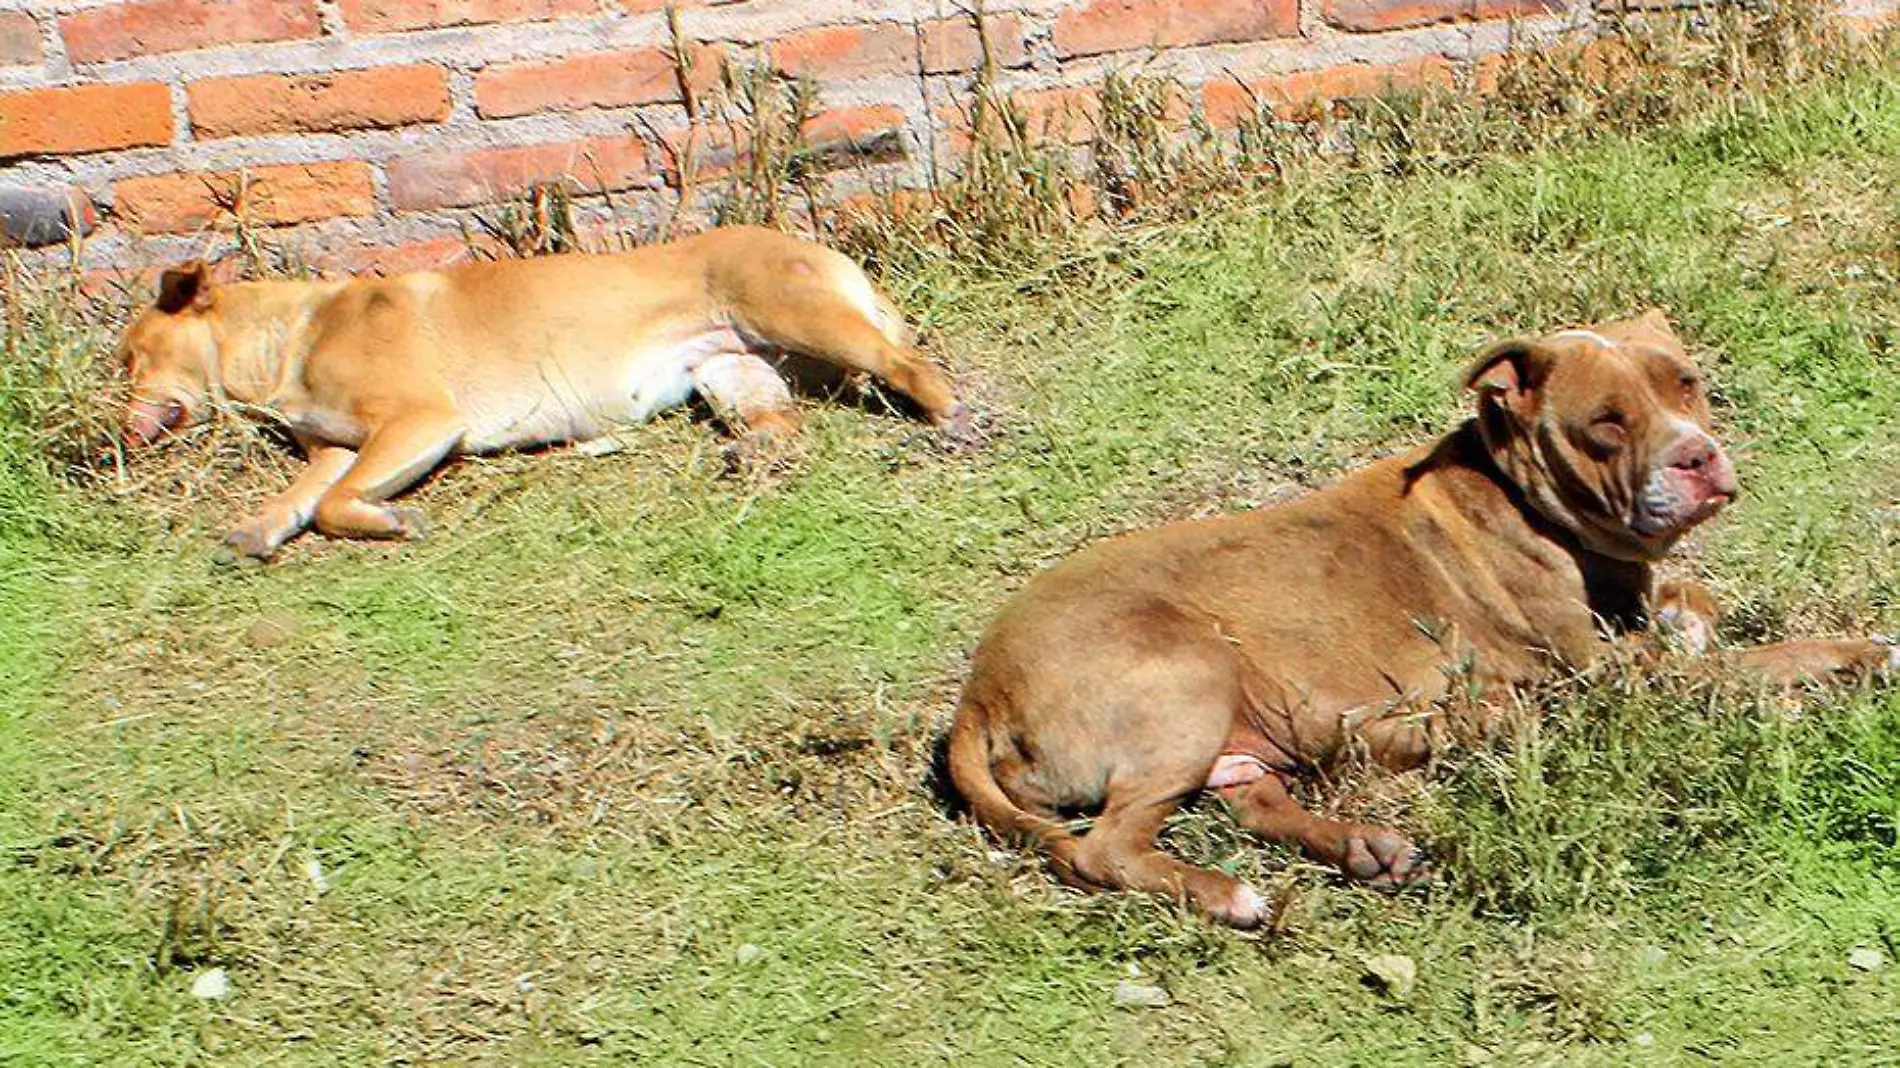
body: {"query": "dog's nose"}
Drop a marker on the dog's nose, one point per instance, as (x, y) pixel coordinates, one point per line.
(1694, 454)
(1699, 455)
(148, 422)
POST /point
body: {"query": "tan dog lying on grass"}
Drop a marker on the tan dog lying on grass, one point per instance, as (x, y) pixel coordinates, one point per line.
(1229, 654)
(379, 379)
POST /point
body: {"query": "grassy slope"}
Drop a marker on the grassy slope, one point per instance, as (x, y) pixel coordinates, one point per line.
(629, 763)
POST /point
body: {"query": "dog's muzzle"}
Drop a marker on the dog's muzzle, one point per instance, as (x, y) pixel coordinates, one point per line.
(1693, 482)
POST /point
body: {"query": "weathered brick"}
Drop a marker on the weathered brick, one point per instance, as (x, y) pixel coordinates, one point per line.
(951, 45)
(833, 136)
(19, 40)
(379, 98)
(863, 132)
(847, 51)
(43, 216)
(597, 80)
(1288, 95)
(268, 196)
(427, 255)
(122, 31)
(1121, 25)
(459, 179)
(1373, 16)
(395, 16)
(1487, 72)
(84, 118)
(1063, 115)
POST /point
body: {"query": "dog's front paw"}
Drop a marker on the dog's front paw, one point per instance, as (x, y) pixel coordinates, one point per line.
(1385, 860)
(244, 547)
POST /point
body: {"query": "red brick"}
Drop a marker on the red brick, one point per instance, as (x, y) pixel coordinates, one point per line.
(272, 196)
(1063, 115)
(833, 135)
(85, 118)
(19, 40)
(1120, 25)
(1069, 115)
(1372, 16)
(1487, 72)
(394, 16)
(1289, 95)
(460, 179)
(122, 31)
(847, 51)
(316, 103)
(432, 254)
(950, 45)
(596, 80)
(886, 204)
(858, 131)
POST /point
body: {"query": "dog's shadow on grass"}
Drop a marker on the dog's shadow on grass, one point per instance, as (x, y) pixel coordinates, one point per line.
(936, 780)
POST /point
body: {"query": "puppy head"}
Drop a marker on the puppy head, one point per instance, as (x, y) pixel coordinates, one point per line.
(1606, 432)
(170, 356)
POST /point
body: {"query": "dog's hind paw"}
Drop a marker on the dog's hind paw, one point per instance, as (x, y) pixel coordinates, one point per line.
(1890, 669)
(412, 524)
(961, 429)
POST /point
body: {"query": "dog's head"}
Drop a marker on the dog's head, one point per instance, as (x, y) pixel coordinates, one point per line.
(1606, 432)
(170, 355)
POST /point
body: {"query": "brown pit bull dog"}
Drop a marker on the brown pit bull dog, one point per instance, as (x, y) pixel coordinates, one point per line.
(379, 379)
(1228, 654)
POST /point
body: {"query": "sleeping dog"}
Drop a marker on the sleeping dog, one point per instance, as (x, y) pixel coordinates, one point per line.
(379, 379)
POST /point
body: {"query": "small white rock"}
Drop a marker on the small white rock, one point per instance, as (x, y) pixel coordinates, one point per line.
(313, 868)
(1644, 1039)
(748, 954)
(1396, 973)
(1141, 996)
(211, 985)
(1866, 958)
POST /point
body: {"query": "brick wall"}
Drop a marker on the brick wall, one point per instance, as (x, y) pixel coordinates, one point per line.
(365, 134)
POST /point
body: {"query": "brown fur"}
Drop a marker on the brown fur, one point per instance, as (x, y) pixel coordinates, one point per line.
(379, 379)
(1233, 653)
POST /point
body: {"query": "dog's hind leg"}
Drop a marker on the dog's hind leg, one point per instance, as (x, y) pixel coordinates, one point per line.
(1119, 851)
(1376, 855)
(824, 325)
(393, 458)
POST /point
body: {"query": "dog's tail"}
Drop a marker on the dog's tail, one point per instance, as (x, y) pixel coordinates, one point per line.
(973, 773)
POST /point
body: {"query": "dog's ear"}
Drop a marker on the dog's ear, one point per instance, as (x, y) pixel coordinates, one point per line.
(1508, 373)
(1658, 320)
(187, 286)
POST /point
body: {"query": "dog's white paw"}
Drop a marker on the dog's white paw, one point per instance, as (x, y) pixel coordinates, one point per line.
(1248, 908)
(1686, 630)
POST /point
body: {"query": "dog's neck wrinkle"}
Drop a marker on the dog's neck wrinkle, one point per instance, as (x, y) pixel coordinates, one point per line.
(1462, 472)
(265, 332)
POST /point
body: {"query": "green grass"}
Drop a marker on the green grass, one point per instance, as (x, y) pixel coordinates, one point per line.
(631, 762)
